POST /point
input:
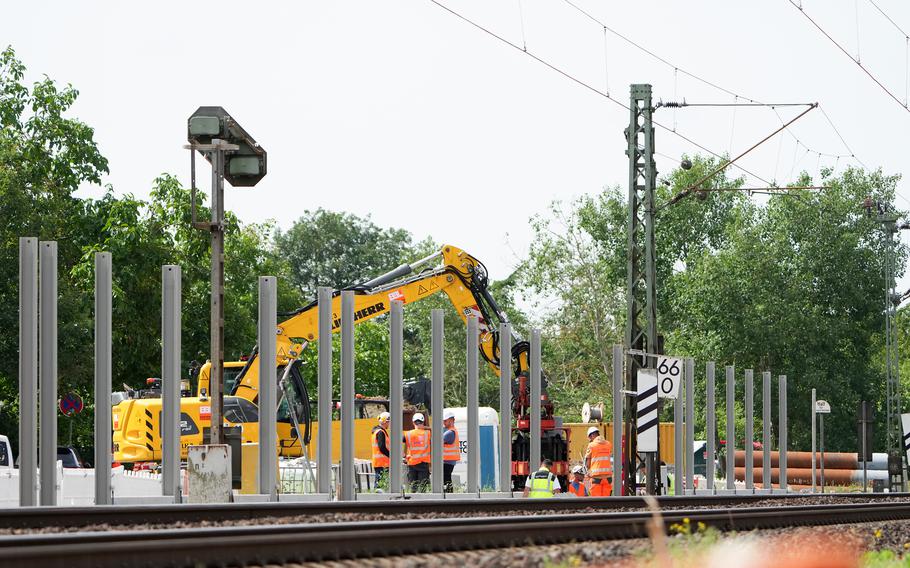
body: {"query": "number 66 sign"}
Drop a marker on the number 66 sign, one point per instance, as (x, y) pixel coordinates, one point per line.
(669, 371)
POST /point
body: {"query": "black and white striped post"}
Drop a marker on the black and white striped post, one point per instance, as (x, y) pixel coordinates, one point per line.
(646, 412)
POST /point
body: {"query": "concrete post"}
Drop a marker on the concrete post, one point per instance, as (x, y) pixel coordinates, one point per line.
(473, 404)
(535, 401)
(813, 441)
(47, 331)
(688, 446)
(268, 387)
(324, 388)
(171, 284)
(436, 398)
(618, 398)
(505, 407)
(730, 384)
(396, 366)
(710, 424)
(750, 434)
(782, 430)
(679, 458)
(28, 372)
(103, 309)
(347, 395)
(766, 430)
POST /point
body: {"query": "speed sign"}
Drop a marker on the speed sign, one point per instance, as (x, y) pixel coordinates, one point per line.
(669, 371)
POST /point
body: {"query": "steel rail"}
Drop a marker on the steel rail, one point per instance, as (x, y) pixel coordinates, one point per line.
(126, 515)
(348, 540)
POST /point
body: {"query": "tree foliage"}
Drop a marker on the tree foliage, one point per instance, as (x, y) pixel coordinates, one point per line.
(792, 286)
(327, 248)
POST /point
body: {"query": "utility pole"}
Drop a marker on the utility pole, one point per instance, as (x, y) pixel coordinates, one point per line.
(641, 296)
(894, 435)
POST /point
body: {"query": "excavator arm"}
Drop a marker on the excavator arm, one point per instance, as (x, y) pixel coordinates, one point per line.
(460, 276)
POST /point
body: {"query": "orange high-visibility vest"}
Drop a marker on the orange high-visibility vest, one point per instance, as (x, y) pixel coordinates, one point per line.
(452, 452)
(581, 490)
(601, 459)
(379, 458)
(418, 442)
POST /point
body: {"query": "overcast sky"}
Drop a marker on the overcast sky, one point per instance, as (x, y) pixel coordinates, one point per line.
(404, 112)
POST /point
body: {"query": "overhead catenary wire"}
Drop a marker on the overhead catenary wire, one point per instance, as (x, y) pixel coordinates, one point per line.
(697, 185)
(678, 69)
(588, 86)
(847, 53)
(887, 17)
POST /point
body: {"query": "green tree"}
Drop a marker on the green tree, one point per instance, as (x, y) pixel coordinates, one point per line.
(327, 248)
(792, 286)
(44, 156)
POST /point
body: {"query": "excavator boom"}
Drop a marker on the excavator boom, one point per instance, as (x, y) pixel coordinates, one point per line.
(460, 276)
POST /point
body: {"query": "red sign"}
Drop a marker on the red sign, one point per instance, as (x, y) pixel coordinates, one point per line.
(71, 404)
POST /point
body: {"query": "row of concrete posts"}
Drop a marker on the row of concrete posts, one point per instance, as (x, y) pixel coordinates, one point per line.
(38, 336)
(684, 429)
(38, 367)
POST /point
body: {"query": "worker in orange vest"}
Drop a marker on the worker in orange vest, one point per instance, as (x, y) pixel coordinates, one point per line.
(577, 482)
(451, 450)
(380, 442)
(418, 456)
(599, 463)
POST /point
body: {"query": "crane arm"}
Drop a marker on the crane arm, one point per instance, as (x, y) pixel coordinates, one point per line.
(460, 276)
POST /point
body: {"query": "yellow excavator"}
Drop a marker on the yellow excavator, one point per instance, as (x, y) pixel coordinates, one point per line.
(464, 280)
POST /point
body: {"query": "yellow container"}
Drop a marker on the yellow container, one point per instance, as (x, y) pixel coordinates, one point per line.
(578, 440)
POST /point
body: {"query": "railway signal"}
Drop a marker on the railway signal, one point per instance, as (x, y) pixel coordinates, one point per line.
(237, 157)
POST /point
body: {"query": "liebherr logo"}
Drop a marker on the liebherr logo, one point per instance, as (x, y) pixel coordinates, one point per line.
(377, 308)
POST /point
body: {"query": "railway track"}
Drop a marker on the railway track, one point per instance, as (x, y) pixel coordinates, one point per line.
(127, 515)
(275, 544)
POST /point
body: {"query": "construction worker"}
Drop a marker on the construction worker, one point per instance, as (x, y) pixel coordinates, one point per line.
(542, 484)
(451, 449)
(599, 463)
(418, 456)
(577, 482)
(380, 441)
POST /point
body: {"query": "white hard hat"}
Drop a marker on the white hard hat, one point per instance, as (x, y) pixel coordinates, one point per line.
(578, 469)
(418, 417)
(448, 414)
(384, 416)
(593, 430)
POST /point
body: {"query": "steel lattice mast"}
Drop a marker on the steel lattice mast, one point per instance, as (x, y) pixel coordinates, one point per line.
(641, 296)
